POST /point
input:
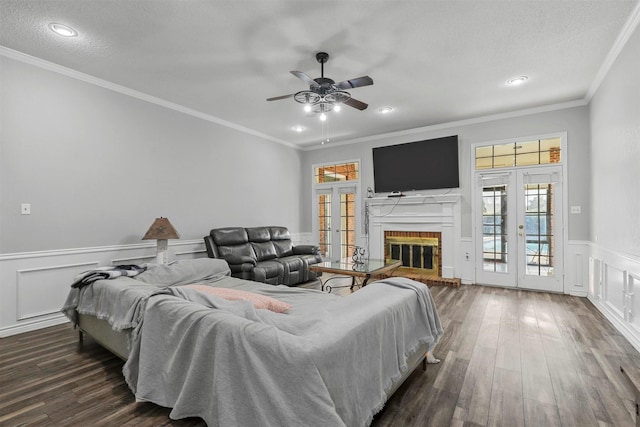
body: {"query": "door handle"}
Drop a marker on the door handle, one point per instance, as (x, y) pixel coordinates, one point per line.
(520, 227)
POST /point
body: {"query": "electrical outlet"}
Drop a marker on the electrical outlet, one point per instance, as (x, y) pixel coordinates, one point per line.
(576, 209)
(25, 209)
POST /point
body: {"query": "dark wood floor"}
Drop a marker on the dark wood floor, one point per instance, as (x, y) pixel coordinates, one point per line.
(509, 358)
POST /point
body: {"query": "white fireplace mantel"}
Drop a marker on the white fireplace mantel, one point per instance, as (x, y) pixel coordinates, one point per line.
(433, 213)
(413, 199)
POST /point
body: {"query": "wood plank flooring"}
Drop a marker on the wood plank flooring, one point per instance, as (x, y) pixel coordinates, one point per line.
(509, 358)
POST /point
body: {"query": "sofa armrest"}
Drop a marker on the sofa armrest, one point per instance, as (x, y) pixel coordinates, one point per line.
(242, 268)
(212, 250)
(306, 250)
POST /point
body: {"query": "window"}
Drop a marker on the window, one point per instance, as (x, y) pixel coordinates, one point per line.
(336, 173)
(527, 153)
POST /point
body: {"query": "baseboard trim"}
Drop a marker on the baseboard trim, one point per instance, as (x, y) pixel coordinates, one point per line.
(32, 326)
(620, 325)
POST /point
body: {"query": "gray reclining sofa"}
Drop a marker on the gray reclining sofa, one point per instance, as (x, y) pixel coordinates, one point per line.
(263, 254)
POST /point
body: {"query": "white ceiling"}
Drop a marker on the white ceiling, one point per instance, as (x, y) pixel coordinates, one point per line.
(432, 61)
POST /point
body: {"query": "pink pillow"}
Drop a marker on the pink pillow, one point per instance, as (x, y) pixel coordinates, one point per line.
(258, 301)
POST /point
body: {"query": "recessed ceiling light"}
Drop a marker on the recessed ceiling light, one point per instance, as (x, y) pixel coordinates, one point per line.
(298, 128)
(63, 30)
(515, 81)
(385, 110)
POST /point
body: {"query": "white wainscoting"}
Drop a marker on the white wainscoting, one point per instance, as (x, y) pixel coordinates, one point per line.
(467, 261)
(303, 239)
(576, 267)
(614, 288)
(34, 285)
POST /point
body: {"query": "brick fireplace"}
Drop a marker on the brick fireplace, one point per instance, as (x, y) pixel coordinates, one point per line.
(417, 217)
(418, 251)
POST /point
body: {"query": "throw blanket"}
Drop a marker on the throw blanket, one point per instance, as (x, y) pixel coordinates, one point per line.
(88, 277)
(121, 300)
(329, 361)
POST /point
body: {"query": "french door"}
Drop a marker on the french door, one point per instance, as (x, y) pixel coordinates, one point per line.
(519, 228)
(336, 221)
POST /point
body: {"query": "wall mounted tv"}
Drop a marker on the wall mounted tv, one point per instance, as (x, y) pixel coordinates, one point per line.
(420, 165)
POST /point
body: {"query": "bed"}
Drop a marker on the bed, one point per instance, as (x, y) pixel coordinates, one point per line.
(324, 360)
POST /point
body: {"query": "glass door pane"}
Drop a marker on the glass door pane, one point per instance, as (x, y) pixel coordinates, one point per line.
(494, 229)
(539, 229)
(324, 224)
(347, 224)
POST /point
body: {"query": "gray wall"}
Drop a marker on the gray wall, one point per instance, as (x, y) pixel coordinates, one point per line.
(98, 166)
(615, 129)
(574, 121)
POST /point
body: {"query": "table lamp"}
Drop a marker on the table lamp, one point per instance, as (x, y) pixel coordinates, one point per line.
(161, 230)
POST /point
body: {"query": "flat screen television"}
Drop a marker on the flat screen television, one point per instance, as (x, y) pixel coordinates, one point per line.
(421, 165)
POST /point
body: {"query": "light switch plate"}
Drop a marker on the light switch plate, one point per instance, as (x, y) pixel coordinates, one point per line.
(25, 209)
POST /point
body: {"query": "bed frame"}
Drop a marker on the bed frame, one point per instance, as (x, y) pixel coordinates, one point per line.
(118, 344)
(101, 331)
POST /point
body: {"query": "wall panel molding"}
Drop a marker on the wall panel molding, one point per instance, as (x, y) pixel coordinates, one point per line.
(576, 267)
(35, 298)
(35, 285)
(614, 289)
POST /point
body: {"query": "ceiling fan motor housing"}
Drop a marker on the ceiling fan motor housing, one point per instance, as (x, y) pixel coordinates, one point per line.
(322, 57)
(326, 85)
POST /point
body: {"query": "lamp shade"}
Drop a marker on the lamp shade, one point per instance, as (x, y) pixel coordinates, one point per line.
(161, 229)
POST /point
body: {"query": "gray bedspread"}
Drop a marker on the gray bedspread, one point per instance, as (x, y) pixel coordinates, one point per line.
(121, 300)
(328, 361)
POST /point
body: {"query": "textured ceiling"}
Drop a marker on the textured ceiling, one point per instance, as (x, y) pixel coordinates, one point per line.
(432, 61)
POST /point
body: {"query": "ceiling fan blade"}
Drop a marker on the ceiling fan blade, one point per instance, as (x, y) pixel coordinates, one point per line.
(276, 98)
(354, 83)
(356, 104)
(305, 78)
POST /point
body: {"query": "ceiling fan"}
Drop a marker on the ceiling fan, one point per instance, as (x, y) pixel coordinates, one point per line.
(324, 94)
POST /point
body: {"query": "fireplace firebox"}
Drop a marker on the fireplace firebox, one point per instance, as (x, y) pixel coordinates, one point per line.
(418, 251)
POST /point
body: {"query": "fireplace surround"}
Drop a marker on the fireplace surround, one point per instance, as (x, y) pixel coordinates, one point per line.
(429, 214)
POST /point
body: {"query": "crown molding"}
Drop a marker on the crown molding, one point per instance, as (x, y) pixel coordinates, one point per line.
(87, 78)
(457, 123)
(627, 30)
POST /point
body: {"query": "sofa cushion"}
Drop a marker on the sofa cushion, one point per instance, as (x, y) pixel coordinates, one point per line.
(264, 250)
(258, 234)
(281, 240)
(283, 247)
(229, 236)
(279, 233)
(268, 272)
(238, 254)
(294, 268)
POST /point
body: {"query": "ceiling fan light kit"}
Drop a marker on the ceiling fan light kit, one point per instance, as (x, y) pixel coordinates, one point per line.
(324, 94)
